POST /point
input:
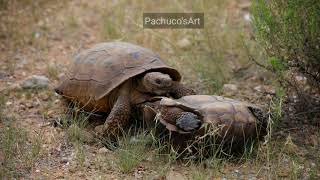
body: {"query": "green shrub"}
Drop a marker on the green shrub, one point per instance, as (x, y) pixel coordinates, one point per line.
(3, 4)
(289, 31)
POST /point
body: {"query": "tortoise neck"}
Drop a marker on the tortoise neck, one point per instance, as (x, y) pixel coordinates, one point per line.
(178, 90)
(139, 85)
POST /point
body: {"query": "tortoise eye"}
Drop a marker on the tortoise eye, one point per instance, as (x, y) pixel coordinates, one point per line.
(158, 81)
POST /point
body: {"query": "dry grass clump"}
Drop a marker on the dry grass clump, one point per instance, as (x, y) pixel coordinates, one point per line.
(19, 151)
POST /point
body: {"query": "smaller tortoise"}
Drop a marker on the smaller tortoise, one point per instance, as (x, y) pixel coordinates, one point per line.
(228, 120)
(114, 77)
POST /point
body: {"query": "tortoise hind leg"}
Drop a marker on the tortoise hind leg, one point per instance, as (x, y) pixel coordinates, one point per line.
(262, 120)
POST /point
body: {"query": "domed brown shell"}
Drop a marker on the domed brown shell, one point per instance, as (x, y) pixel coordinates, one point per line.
(225, 117)
(101, 69)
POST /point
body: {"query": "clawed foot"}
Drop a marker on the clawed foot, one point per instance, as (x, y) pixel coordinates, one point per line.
(188, 122)
(102, 132)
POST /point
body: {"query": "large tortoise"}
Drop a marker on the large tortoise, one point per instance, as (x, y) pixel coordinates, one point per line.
(113, 77)
(227, 120)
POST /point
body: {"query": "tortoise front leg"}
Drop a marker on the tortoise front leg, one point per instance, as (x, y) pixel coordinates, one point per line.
(118, 117)
(179, 90)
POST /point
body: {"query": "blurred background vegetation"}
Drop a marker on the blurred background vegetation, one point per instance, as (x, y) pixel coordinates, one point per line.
(266, 51)
(289, 32)
(208, 58)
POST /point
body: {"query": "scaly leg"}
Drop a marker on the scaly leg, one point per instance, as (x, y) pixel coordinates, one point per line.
(119, 115)
(179, 90)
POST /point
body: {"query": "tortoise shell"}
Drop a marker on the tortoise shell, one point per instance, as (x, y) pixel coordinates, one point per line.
(98, 71)
(227, 118)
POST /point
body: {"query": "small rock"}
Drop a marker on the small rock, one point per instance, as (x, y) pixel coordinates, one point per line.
(237, 173)
(64, 160)
(37, 35)
(37, 170)
(184, 43)
(301, 79)
(230, 87)
(258, 88)
(269, 90)
(8, 103)
(103, 150)
(35, 82)
(265, 89)
(247, 17)
(3, 75)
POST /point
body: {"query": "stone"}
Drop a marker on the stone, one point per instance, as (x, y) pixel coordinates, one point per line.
(258, 88)
(35, 82)
(230, 87)
(64, 160)
(184, 43)
(103, 150)
(3, 75)
(247, 17)
(265, 89)
(270, 90)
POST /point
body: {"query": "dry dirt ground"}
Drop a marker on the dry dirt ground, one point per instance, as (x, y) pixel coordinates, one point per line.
(41, 38)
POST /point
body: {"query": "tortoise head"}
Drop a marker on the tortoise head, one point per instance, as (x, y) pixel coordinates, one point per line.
(157, 83)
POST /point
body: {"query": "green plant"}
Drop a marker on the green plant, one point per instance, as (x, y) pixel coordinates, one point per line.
(131, 151)
(75, 124)
(276, 108)
(18, 150)
(33, 151)
(199, 173)
(2, 106)
(3, 4)
(289, 33)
